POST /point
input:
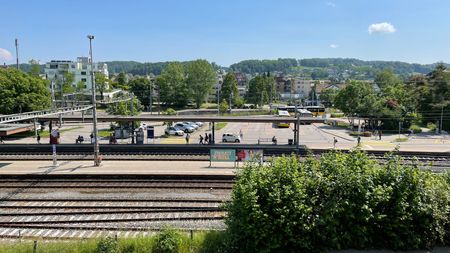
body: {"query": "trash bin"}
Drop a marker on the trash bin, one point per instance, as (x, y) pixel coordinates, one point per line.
(290, 141)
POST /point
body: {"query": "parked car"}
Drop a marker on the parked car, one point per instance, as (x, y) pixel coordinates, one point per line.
(227, 137)
(184, 127)
(200, 124)
(174, 131)
(192, 124)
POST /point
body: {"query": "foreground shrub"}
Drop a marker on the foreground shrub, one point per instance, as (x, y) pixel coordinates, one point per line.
(416, 129)
(107, 245)
(337, 202)
(167, 241)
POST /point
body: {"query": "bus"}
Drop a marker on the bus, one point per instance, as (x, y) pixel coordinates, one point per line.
(317, 111)
(282, 113)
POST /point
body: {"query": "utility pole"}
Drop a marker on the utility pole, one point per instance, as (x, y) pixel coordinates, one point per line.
(17, 53)
(151, 97)
(218, 99)
(132, 122)
(94, 107)
(440, 123)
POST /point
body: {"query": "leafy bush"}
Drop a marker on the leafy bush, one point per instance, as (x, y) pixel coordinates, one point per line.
(167, 241)
(415, 128)
(365, 134)
(337, 202)
(170, 111)
(107, 245)
(337, 115)
(223, 106)
(431, 126)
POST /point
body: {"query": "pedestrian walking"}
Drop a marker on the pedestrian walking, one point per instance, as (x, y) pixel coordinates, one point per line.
(38, 138)
(334, 142)
(241, 134)
(210, 139)
(187, 138)
(359, 140)
(92, 137)
(200, 140)
(206, 138)
(379, 134)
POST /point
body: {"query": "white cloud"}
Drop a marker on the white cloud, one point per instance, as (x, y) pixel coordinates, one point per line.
(384, 27)
(5, 54)
(334, 46)
(331, 4)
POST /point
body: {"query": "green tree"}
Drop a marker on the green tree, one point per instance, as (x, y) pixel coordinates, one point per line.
(101, 83)
(327, 96)
(142, 88)
(359, 99)
(200, 80)
(223, 106)
(131, 107)
(79, 88)
(257, 91)
(229, 90)
(122, 81)
(172, 86)
(21, 92)
(35, 69)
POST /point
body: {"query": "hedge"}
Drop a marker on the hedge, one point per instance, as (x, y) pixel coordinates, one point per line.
(340, 201)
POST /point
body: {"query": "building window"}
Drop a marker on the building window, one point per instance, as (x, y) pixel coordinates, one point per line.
(83, 79)
(83, 73)
(53, 66)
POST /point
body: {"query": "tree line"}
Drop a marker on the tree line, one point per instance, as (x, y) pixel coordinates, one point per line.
(420, 99)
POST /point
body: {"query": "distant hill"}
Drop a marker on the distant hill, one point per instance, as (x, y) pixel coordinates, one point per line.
(315, 68)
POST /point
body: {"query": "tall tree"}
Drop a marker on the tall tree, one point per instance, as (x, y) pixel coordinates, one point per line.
(229, 90)
(142, 88)
(200, 79)
(101, 83)
(257, 91)
(327, 96)
(35, 69)
(122, 79)
(172, 86)
(21, 92)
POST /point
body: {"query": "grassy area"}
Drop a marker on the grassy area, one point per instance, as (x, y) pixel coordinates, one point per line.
(401, 139)
(104, 133)
(220, 125)
(201, 242)
(46, 134)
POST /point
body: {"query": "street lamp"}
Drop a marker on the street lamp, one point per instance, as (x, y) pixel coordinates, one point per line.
(94, 107)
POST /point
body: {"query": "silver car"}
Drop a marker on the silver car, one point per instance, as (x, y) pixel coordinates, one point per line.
(184, 127)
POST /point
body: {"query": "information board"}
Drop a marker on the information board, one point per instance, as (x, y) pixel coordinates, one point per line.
(150, 132)
(222, 155)
(254, 155)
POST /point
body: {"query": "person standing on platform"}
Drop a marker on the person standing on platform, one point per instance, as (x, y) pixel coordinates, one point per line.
(38, 138)
(210, 139)
(206, 138)
(187, 138)
(200, 139)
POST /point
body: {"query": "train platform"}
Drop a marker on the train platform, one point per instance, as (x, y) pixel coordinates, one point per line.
(117, 168)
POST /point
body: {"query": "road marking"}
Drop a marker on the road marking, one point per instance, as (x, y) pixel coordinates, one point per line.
(369, 147)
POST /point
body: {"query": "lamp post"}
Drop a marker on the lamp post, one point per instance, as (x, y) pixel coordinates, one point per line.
(94, 107)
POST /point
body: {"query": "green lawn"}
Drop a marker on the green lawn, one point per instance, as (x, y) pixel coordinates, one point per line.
(104, 133)
(220, 125)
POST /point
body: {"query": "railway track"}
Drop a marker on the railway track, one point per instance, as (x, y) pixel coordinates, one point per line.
(50, 206)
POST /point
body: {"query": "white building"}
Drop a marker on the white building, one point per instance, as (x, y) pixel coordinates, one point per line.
(81, 69)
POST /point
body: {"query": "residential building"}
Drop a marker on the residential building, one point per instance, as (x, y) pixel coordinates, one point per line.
(81, 70)
(242, 83)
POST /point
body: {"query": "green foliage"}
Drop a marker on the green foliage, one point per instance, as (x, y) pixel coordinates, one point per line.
(21, 92)
(327, 96)
(262, 66)
(142, 88)
(172, 86)
(201, 77)
(35, 69)
(229, 88)
(132, 107)
(258, 90)
(167, 241)
(223, 106)
(340, 201)
(170, 111)
(431, 126)
(358, 99)
(101, 83)
(107, 245)
(416, 129)
(121, 79)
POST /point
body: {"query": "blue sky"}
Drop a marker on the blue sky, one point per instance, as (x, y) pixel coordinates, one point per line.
(226, 31)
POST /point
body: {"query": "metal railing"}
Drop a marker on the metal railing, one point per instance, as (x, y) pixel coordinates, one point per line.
(36, 114)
